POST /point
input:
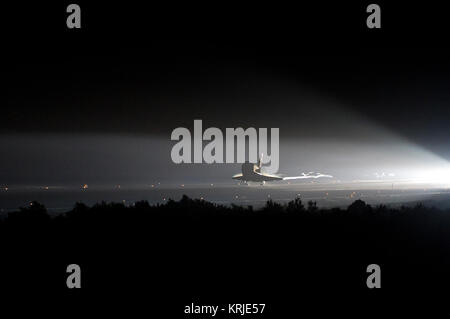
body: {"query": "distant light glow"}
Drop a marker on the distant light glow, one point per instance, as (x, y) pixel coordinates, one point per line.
(436, 176)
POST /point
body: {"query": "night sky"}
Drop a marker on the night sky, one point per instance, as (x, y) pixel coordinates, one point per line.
(98, 105)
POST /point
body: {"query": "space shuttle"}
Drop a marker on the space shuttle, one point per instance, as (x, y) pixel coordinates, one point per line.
(252, 173)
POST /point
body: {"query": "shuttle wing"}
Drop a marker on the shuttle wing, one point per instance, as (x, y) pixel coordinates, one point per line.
(269, 177)
(237, 176)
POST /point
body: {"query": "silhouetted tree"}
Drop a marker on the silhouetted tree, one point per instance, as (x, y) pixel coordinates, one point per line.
(295, 205)
(312, 206)
(142, 205)
(359, 206)
(34, 214)
(272, 206)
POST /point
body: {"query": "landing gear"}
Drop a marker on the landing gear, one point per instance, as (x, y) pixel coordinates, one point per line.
(263, 183)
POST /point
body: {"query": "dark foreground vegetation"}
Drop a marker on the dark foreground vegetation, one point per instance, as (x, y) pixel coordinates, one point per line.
(110, 212)
(192, 250)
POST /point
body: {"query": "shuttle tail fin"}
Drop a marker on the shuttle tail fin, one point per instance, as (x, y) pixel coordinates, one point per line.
(260, 161)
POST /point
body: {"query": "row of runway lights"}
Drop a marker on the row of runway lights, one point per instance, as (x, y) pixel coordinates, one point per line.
(164, 199)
